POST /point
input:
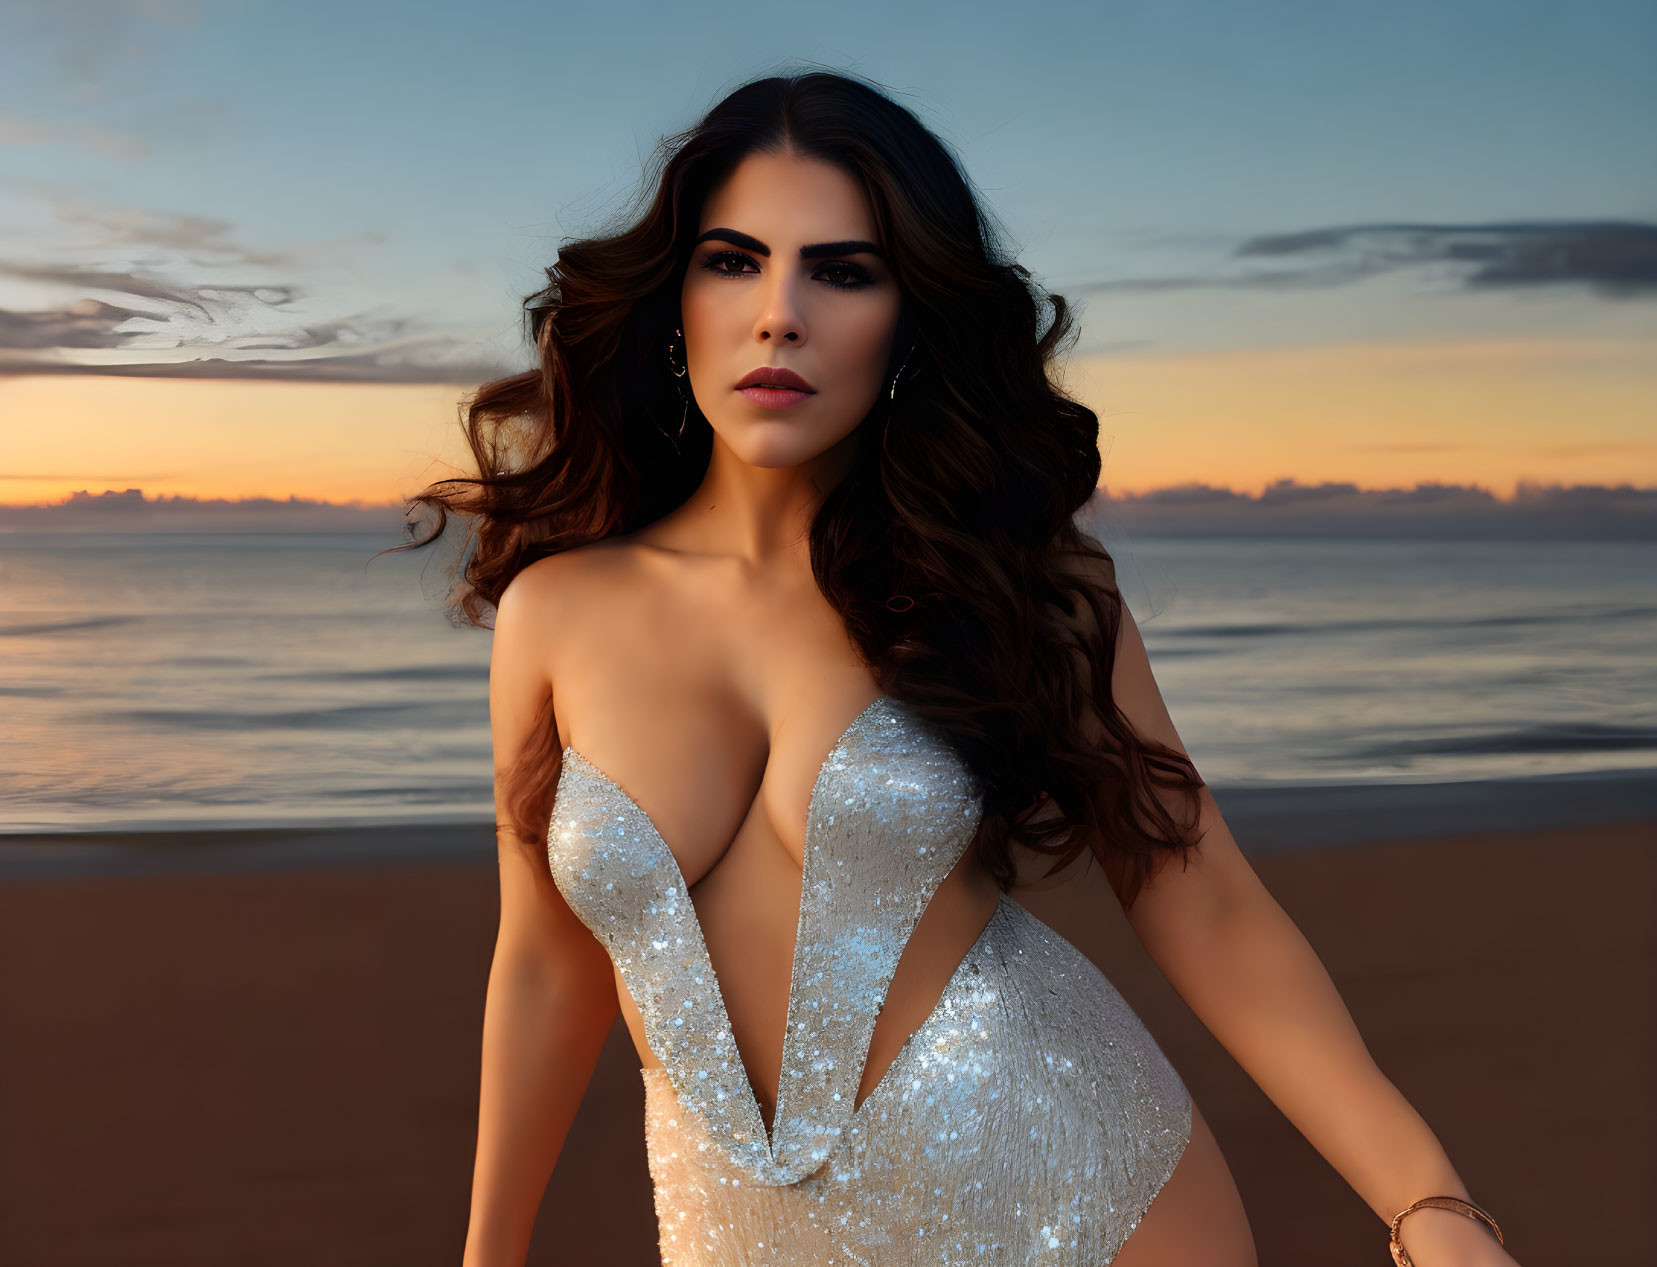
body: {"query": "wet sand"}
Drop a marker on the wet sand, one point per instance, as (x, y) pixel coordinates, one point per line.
(280, 1066)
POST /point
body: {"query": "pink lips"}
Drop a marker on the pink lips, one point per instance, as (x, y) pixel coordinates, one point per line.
(774, 397)
(774, 387)
(774, 376)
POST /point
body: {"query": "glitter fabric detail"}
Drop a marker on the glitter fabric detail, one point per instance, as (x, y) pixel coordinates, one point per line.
(1030, 1119)
(892, 809)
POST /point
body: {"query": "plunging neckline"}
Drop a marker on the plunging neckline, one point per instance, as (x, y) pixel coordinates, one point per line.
(678, 873)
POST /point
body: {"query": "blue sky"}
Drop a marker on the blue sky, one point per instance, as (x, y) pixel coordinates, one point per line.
(300, 183)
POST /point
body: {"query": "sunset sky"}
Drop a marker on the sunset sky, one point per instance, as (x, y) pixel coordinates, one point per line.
(1382, 245)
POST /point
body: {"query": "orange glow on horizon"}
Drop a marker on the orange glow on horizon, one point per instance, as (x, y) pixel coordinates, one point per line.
(1489, 413)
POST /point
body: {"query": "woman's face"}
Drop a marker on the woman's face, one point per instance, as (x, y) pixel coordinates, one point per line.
(786, 272)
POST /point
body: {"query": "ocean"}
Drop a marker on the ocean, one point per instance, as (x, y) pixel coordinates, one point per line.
(181, 681)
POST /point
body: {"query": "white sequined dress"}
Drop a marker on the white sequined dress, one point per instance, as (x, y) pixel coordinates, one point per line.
(1030, 1119)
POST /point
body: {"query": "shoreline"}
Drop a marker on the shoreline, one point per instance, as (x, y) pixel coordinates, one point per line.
(1266, 818)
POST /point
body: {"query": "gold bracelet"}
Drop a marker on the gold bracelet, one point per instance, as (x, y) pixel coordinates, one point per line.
(1443, 1203)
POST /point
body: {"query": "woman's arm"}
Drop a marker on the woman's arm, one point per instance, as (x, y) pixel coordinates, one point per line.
(551, 998)
(1247, 972)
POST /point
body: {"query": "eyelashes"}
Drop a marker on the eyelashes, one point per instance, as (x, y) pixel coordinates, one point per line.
(858, 275)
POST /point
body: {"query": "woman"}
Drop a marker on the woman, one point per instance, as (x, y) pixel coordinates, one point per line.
(798, 652)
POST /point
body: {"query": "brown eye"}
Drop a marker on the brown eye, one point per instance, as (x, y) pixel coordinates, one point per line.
(712, 262)
(852, 276)
(856, 277)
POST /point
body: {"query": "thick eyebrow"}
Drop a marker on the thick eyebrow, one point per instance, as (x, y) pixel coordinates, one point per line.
(815, 251)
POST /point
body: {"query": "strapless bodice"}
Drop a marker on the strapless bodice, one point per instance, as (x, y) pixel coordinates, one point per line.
(892, 810)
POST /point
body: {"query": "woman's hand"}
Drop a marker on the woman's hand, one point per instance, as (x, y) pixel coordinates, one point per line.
(1444, 1238)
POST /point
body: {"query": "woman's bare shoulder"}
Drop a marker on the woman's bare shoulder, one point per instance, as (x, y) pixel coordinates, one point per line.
(565, 577)
(590, 610)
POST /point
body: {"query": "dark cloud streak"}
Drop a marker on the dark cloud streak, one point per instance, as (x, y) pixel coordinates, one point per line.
(143, 314)
(1616, 259)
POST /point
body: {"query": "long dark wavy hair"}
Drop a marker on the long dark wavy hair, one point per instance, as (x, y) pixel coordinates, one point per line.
(950, 549)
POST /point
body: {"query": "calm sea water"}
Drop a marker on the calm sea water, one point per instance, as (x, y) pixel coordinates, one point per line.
(234, 680)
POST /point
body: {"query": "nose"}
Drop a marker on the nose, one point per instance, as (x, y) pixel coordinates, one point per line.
(780, 315)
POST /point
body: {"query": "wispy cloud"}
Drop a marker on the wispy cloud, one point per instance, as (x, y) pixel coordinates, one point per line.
(417, 360)
(202, 241)
(1611, 258)
(136, 322)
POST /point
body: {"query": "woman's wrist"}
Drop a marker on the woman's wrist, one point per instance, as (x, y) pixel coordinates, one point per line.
(1436, 1237)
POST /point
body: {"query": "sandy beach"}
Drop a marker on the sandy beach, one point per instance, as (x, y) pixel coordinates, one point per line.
(264, 1066)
